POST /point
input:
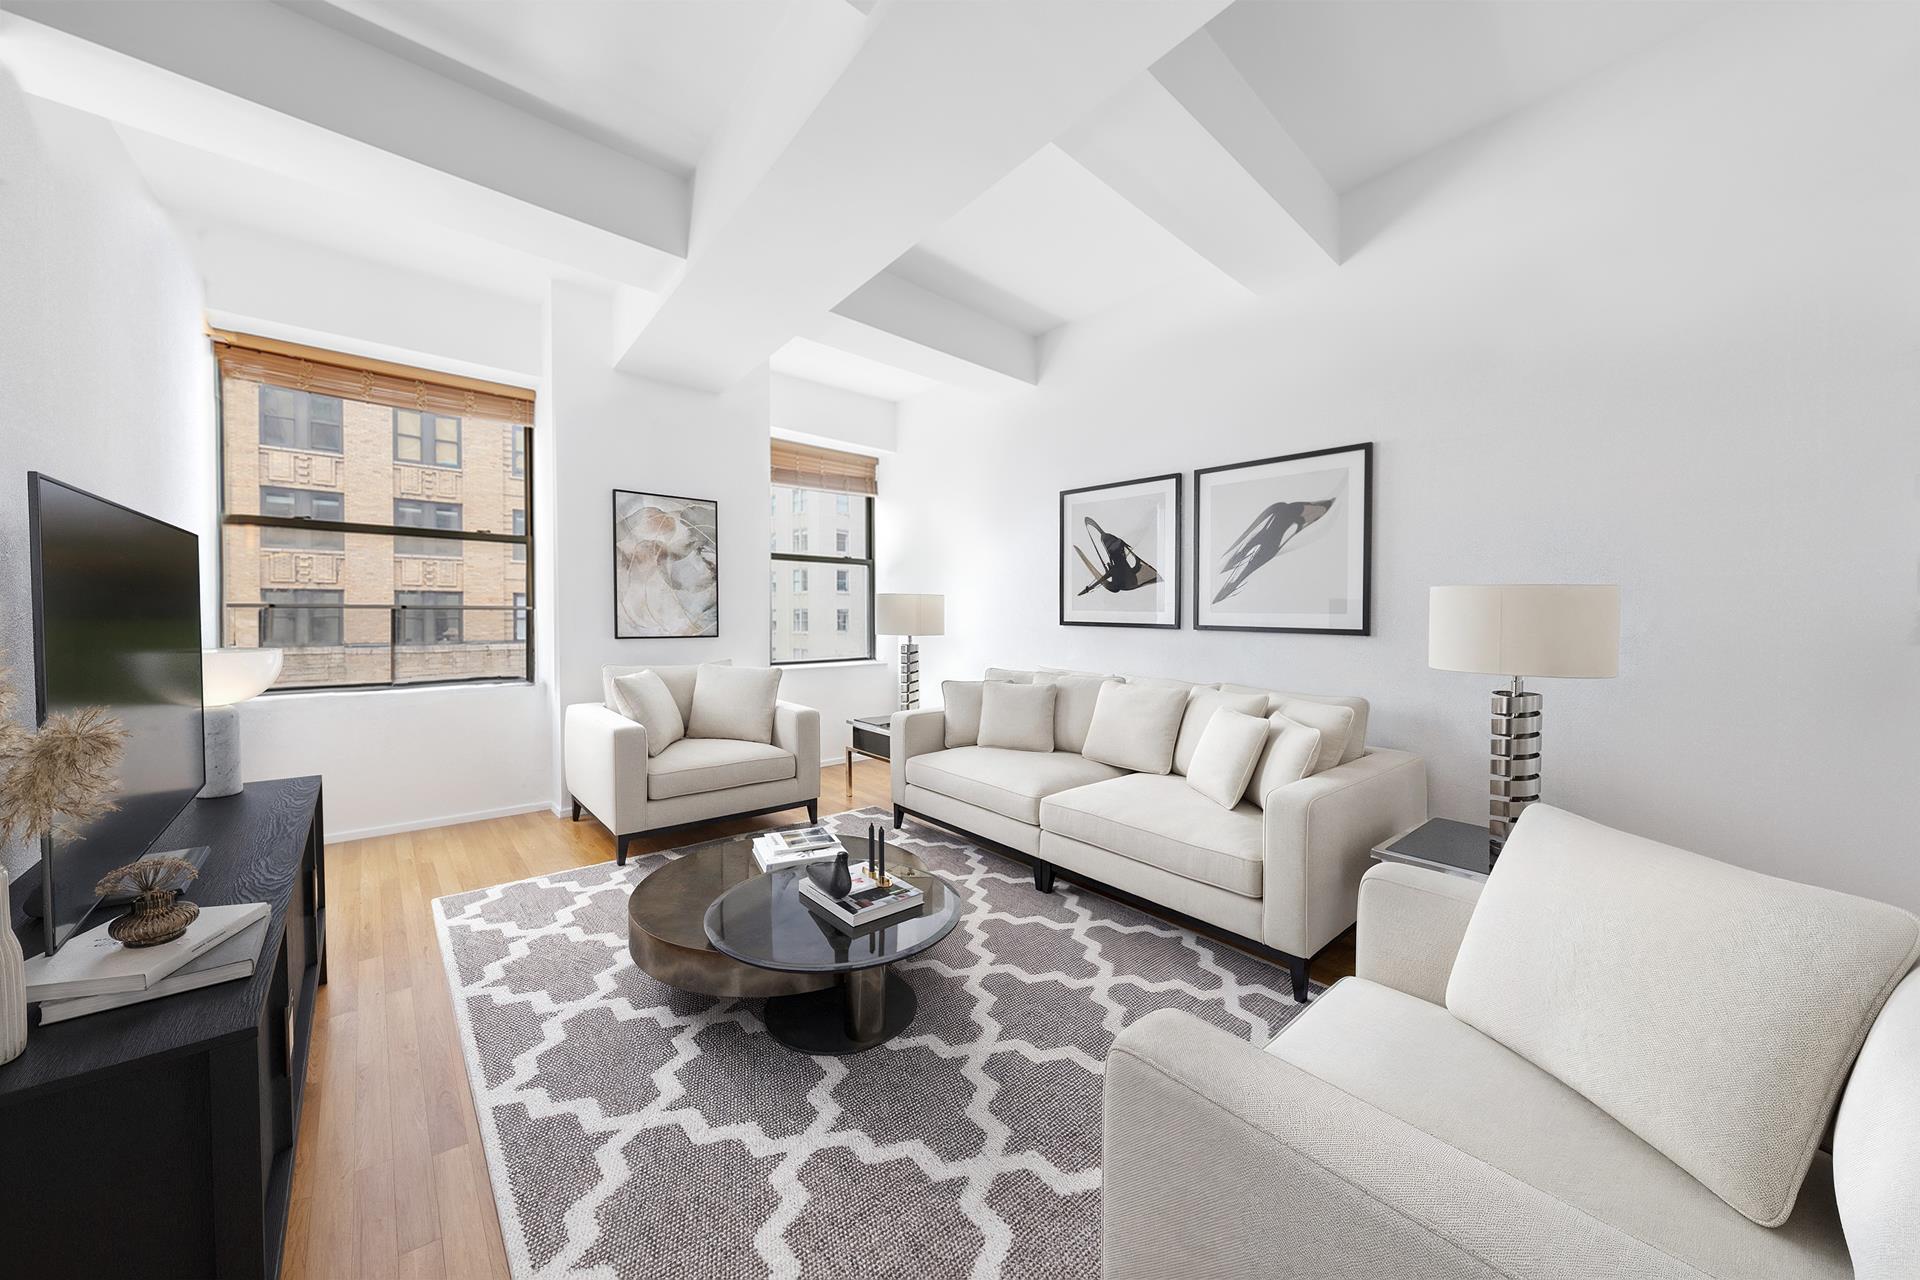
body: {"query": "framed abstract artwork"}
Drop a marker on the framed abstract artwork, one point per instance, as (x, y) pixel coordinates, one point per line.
(1286, 544)
(666, 566)
(1120, 554)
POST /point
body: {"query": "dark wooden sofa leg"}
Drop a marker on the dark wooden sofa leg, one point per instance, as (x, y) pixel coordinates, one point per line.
(1043, 876)
(1297, 969)
(576, 809)
(899, 815)
(813, 811)
(620, 847)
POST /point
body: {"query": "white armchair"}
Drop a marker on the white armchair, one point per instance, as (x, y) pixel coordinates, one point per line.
(611, 776)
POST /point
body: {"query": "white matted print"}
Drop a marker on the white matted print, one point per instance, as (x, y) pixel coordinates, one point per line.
(1285, 544)
(1120, 554)
(666, 566)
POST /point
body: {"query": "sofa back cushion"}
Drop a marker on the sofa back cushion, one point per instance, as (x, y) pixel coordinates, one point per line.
(961, 701)
(1018, 717)
(1072, 706)
(1009, 676)
(1277, 699)
(1711, 1010)
(1165, 683)
(1201, 705)
(1290, 752)
(1876, 1156)
(1229, 749)
(1334, 722)
(644, 698)
(1135, 726)
(734, 702)
(679, 681)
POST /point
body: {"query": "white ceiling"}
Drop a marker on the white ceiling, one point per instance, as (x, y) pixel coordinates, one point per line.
(652, 78)
(830, 366)
(1366, 87)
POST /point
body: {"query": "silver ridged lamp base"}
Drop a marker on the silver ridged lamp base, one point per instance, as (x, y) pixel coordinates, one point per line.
(1515, 761)
(909, 675)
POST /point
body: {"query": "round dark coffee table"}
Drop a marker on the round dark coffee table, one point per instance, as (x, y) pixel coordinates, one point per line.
(762, 922)
(667, 938)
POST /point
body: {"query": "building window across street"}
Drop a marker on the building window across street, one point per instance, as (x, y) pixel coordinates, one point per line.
(821, 498)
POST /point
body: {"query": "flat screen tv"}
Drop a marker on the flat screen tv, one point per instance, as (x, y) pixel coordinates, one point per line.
(116, 624)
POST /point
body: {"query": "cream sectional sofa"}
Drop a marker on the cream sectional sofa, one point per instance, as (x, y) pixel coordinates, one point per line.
(1281, 871)
(1614, 1058)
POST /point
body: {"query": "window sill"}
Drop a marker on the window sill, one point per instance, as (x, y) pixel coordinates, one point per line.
(383, 690)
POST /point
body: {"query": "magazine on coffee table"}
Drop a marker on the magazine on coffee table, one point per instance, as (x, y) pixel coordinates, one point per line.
(866, 901)
(778, 849)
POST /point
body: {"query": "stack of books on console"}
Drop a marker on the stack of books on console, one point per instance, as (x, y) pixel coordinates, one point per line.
(869, 899)
(92, 972)
(779, 849)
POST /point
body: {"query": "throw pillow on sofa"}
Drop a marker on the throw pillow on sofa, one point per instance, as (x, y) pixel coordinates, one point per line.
(734, 702)
(961, 702)
(1291, 750)
(1072, 706)
(1334, 722)
(1229, 749)
(1135, 726)
(1018, 717)
(678, 679)
(1201, 706)
(644, 698)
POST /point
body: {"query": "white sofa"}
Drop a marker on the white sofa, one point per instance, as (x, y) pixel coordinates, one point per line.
(1615, 1059)
(1283, 875)
(611, 775)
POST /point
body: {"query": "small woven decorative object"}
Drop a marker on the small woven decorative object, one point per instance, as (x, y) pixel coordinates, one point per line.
(157, 916)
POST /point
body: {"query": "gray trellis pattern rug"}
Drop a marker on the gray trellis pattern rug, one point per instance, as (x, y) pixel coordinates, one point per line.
(633, 1130)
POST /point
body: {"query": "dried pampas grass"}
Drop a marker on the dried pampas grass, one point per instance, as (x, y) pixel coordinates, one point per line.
(59, 778)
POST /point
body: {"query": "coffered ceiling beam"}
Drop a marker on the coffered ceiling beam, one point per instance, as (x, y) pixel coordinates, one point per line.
(896, 322)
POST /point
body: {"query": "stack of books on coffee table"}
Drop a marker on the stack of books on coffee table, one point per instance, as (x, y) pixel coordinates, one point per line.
(778, 849)
(867, 900)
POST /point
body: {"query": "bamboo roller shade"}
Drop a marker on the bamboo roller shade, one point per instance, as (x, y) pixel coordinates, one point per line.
(806, 466)
(332, 373)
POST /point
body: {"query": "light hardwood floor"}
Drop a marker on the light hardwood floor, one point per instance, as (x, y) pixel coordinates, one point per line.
(391, 1178)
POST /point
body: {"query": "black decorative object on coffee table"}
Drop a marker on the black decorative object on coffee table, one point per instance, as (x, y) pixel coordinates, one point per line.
(763, 922)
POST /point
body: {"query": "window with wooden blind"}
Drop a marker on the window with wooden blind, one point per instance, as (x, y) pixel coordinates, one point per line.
(376, 518)
(822, 554)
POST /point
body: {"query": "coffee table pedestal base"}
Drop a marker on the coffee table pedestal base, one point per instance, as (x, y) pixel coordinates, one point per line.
(869, 1007)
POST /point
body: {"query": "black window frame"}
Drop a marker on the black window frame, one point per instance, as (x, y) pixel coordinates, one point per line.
(518, 519)
(412, 546)
(848, 562)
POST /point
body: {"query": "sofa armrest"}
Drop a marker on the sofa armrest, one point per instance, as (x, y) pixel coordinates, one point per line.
(1224, 1161)
(1411, 923)
(796, 728)
(1320, 834)
(913, 733)
(606, 765)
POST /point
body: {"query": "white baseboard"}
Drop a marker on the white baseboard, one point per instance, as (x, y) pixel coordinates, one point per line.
(450, 820)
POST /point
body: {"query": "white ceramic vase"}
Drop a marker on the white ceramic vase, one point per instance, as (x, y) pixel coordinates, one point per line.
(13, 982)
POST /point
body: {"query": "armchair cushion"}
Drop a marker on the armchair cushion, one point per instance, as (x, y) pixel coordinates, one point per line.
(1161, 821)
(1017, 717)
(693, 766)
(1712, 1010)
(734, 702)
(644, 698)
(1135, 726)
(678, 679)
(1876, 1161)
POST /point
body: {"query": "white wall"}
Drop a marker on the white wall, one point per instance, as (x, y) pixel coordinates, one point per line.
(1661, 332)
(105, 381)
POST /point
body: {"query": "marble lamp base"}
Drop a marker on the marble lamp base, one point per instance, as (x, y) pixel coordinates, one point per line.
(223, 752)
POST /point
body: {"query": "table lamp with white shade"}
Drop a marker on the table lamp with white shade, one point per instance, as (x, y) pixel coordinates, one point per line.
(909, 616)
(1520, 631)
(229, 677)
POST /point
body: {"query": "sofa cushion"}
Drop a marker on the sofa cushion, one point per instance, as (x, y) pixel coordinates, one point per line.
(644, 698)
(1010, 783)
(1291, 749)
(734, 702)
(1162, 682)
(1008, 675)
(960, 701)
(1335, 724)
(678, 679)
(1017, 717)
(1229, 749)
(1277, 700)
(1710, 1009)
(1071, 671)
(1134, 726)
(1075, 697)
(1488, 1102)
(693, 766)
(1161, 821)
(1200, 708)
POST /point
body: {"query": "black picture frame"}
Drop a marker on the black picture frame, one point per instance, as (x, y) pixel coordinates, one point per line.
(710, 503)
(1201, 574)
(1178, 558)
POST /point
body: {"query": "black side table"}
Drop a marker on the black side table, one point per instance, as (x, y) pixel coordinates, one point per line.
(870, 736)
(1442, 844)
